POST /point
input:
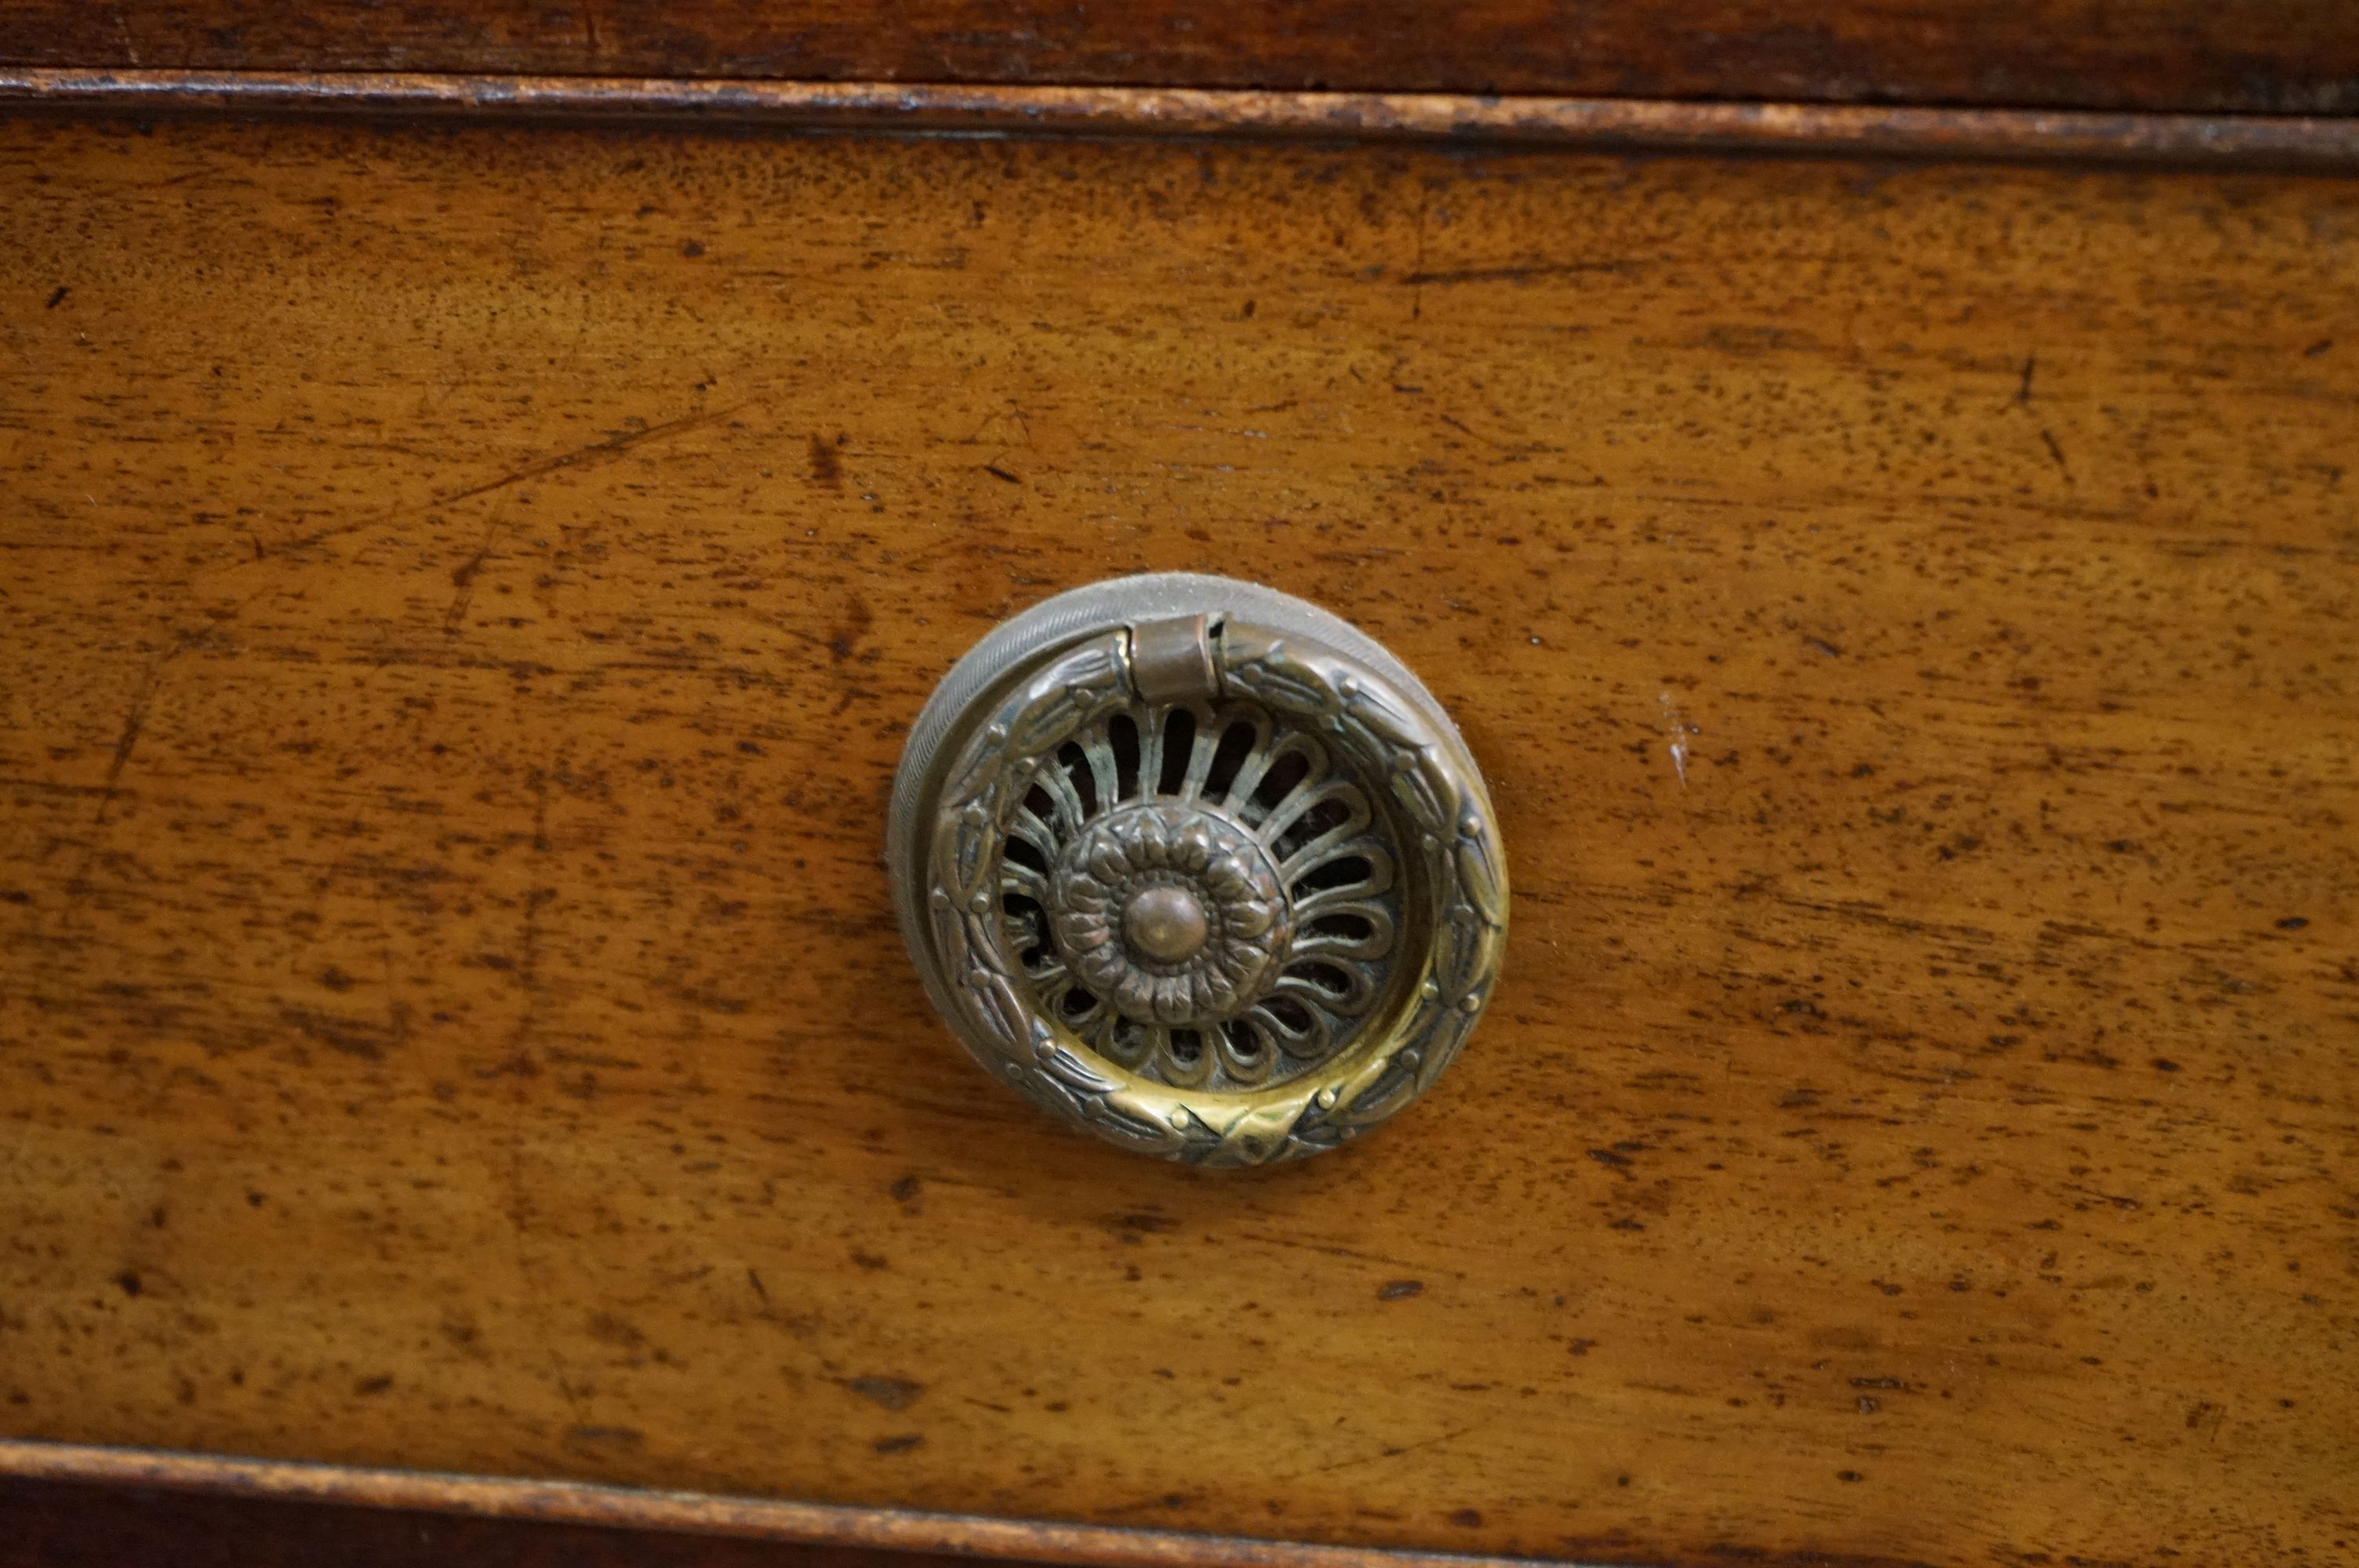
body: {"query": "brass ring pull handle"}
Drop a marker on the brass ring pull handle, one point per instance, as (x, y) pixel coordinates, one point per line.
(1198, 867)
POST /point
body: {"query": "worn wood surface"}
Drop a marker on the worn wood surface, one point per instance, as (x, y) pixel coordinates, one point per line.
(2207, 56)
(466, 590)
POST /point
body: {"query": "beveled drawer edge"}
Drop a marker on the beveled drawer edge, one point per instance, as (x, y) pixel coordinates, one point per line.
(2293, 143)
(879, 1529)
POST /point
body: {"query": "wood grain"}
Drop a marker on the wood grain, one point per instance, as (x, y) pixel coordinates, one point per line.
(2274, 142)
(2199, 56)
(467, 588)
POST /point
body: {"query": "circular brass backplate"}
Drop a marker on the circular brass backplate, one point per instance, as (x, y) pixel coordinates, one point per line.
(1198, 867)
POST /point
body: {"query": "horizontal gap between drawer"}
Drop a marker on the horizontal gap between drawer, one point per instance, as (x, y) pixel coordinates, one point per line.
(2319, 143)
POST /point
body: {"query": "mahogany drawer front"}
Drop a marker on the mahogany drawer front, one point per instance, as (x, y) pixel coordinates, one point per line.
(467, 588)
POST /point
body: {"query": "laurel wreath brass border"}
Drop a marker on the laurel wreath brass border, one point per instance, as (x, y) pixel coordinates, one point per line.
(1044, 677)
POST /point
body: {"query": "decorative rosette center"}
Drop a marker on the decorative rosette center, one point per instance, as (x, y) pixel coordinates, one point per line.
(1165, 924)
(1171, 913)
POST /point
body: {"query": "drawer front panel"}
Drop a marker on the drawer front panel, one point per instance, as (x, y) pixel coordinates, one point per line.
(467, 589)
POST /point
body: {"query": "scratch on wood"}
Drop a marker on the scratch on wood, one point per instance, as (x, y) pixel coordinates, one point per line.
(464, 580)
(1680, 729)
(135, 722)
(1390, 1451)
(1464, 428)
(132, 723)
(595, 452)
(1335, 1251)
(2058, 453)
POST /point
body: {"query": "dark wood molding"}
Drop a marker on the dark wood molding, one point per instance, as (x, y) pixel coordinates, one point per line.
(2322, 144)
(906, 1533)
(76, 1524)
(2175, 56)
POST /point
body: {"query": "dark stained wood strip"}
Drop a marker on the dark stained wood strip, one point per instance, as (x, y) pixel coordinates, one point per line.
(2198, 56)
(2246, 141)
(76, 1524)
(833, 1537)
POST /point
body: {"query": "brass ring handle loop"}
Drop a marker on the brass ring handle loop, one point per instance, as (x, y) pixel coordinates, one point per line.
(1199, 868)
